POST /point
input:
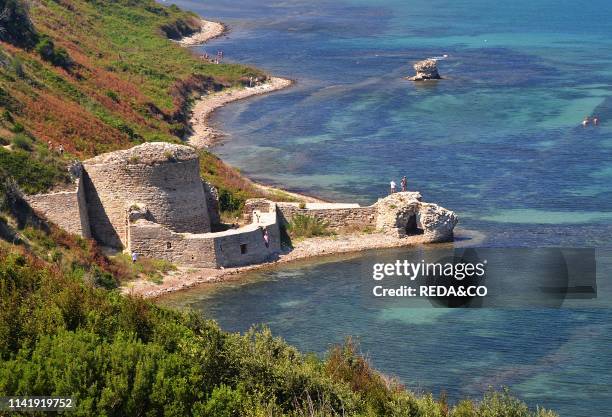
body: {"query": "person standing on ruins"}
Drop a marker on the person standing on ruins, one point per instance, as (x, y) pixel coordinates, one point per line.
(392, 184)
(404, 183)
(134, 257)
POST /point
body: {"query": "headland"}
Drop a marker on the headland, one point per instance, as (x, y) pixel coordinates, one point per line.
(150, 201)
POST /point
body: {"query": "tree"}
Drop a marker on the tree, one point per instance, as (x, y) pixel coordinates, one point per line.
(15, 24)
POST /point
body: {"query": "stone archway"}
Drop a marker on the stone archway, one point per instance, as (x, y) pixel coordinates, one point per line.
(413, 226)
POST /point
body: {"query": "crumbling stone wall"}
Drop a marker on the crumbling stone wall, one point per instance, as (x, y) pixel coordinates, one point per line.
(163, 177)
(246, 246)
(337, 219)
(262, 205)
(153, 240)
(230, 248)
(67, 209)
(212, 203)
(399, 214)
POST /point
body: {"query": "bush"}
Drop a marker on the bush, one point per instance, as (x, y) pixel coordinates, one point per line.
(123, 356)
(18, 128)
(57, 56)
(230, 202)
(6, 116)
(22, 142)
(5, 98)
(304, 226)
(223, 402)
(17, 67)
(31, 175)
(15, 25)
(104, 279)
(113, 96)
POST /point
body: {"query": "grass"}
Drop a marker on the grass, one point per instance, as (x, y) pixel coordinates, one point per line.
(303, 226)
(234, 189)
(33, 171)
(101, 75)
(150, 269)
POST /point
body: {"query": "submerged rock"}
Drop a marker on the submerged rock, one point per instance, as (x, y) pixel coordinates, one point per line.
(426, 70)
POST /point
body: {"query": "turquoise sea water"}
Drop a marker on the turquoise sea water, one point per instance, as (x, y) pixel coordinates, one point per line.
(498, 141)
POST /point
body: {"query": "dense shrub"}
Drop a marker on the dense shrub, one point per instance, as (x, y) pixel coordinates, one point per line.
(31, 175)
(22, 142)
(49, 52)
(123, 356)
(17, 67)
(230, 201)
(15, 25)
(104, 279)
(17, 128)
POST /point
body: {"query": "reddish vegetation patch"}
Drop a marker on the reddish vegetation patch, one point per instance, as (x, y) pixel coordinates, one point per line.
(63, 122)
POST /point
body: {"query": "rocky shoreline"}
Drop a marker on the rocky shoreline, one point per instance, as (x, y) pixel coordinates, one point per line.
(209, 30)
(202, 134)
(186, 278)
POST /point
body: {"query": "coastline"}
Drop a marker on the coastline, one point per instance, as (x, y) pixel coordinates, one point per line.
(203, 135)
(209, 30)
(316, 247)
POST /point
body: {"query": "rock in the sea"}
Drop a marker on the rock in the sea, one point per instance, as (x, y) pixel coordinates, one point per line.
(426, 70)
(437, 222)
(404, 214)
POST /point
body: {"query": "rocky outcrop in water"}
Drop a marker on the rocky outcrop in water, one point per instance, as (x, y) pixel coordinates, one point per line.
(426, 70)
(405, 214)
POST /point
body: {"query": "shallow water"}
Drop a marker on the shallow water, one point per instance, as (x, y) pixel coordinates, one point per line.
(498, 141)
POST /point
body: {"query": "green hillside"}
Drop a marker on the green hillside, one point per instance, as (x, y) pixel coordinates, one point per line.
(96, 76)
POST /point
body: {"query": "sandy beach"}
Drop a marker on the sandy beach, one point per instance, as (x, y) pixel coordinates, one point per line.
(209, 30)
(203, 135)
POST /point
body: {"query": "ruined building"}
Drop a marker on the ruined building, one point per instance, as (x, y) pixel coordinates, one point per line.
(151, 200)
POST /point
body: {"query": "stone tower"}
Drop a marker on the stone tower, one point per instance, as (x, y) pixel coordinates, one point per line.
(161, 178)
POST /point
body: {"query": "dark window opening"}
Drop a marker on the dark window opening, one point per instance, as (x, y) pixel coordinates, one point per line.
(243, 249)
(412, 226)
(168, 245)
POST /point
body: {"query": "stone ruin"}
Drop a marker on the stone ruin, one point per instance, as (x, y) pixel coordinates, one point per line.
(151, 200)
(400, 214)
(426, 70)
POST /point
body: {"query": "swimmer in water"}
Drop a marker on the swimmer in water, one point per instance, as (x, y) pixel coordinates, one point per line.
(586, 121)
(595, 120)
(438, 58)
